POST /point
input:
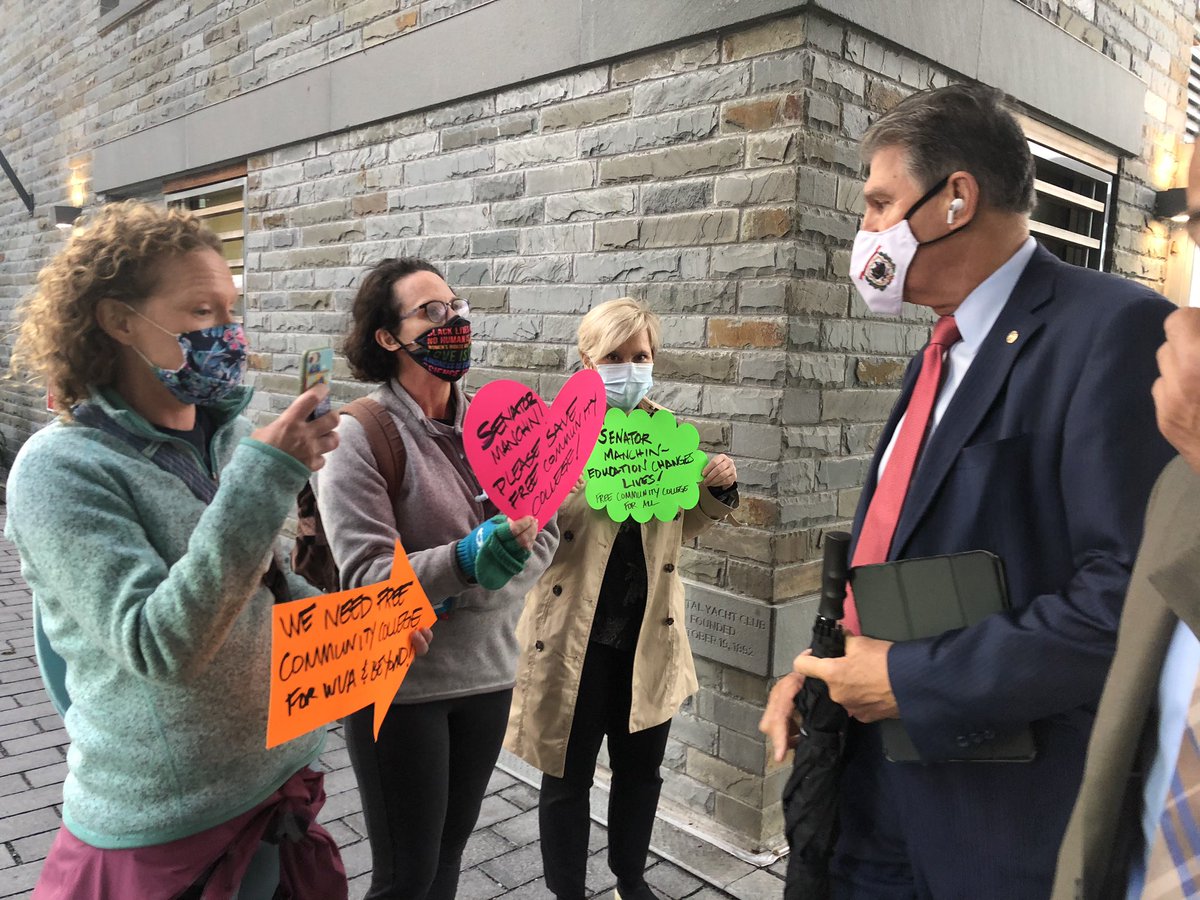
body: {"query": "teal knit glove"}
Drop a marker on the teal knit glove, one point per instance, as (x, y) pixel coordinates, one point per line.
(490, 555)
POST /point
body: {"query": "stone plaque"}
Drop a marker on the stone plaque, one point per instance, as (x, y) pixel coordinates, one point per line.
(729, 629)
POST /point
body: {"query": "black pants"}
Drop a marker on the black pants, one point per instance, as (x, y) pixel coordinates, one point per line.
(602, 708)
(422, 785)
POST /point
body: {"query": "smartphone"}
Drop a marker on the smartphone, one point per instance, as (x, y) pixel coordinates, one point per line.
(317, 369)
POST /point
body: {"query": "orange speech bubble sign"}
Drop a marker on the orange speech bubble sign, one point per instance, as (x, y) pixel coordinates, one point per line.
(332, 655)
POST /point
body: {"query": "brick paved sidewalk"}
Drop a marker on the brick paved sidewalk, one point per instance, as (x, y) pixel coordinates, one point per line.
(502, 860)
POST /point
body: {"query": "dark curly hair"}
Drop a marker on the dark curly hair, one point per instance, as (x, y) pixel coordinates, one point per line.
(375, 308)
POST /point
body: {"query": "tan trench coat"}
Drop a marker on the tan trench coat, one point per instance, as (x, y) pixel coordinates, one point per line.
(554, 629)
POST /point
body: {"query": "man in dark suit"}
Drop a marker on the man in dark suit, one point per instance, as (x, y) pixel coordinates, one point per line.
(1024, 428)
(1142, 728)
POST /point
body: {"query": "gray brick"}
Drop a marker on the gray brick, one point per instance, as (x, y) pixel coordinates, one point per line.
(457, 220)
(679, 196)
(757, 441)
(520, 329)
(647, 265)
(666, 62)
(770, 149)
(556, 298)
(571, 176)
(595, 204)
(763, 297)
(742, 402)
(566, 87)
(495, 243)
(755, 187)
(536, 151)
(490, 188)
(688, 229)
(674, 162)
(698, 297)
(450, 165)
(786, 71)
(640, 134)
(458, 113)
(691, 89)
(516, 213)
(763, 368)
(579, 113)
(748, 753)
(836, 77)
(748, 259)
(525, 269)
(575, 238)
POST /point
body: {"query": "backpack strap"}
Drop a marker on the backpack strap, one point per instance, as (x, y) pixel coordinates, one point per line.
(388, 448)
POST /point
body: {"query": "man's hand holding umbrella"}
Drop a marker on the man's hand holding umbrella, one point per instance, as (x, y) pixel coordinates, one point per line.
(858, 681)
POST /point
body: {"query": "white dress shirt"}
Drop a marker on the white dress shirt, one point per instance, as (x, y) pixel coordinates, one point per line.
(975, 317)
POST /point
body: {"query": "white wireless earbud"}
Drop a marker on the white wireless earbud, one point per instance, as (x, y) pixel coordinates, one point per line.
(955, 205)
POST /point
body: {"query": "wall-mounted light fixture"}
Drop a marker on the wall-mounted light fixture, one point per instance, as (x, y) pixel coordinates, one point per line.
(65, 216)
(1171, 204)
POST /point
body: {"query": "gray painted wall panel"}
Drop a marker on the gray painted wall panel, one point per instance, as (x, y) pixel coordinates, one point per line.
(1060, 76)
(509, 42)
(491, 47)
(293, 110)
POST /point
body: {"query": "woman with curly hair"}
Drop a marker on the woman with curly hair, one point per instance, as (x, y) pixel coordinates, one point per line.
(146, 520)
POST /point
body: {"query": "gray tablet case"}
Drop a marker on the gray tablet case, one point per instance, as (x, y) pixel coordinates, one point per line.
(919, 598)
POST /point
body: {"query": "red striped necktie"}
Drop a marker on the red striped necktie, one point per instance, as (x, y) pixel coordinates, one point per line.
(879, 525)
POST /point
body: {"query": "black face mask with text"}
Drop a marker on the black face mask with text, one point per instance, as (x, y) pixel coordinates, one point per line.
(444, 350)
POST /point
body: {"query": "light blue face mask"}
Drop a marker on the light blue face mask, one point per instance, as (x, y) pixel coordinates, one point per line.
(625, 384)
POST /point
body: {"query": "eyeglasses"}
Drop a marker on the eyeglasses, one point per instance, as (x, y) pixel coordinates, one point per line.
(440, 311)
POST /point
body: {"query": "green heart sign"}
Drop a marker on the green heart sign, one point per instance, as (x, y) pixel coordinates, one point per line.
(644, 466)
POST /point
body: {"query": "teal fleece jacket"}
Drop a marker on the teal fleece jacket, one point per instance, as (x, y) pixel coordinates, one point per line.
(155, 603)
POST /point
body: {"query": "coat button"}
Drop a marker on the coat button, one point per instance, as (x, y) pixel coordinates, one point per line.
(568, 535)
(669, 567)
(668, 621)
(539, 646)
(556, 590)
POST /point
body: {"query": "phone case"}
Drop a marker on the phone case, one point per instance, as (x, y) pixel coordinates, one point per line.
(317, 369)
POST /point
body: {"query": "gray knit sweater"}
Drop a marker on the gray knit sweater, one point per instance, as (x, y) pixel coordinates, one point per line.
(474, 648)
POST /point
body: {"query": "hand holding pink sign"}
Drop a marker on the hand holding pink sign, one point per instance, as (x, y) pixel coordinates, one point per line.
(528, 457)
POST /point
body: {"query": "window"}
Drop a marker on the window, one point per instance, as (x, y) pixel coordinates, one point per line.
(222, 206)
(1073, 200)
(1075, 185)
(1193, 96)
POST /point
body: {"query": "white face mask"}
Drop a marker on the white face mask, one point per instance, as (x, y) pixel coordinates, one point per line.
(625, 384)
(880, 261)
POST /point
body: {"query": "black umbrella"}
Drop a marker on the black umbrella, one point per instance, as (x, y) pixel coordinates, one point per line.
(810, 797)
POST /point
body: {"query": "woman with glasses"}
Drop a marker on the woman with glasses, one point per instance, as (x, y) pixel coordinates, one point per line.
(423, 781)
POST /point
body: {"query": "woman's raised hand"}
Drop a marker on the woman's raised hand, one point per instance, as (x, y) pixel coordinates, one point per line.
(720, 472)
(294, 434)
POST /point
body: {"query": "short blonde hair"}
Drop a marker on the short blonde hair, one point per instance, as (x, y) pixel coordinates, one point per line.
(612, 323)
(116, 254)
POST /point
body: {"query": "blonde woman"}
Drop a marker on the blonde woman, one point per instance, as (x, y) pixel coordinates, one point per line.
(603, 646)
(146, 522)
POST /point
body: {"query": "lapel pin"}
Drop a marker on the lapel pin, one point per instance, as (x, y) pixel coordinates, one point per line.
(1012, 337)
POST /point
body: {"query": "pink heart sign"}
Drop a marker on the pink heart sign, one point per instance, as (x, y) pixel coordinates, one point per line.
(528, 457)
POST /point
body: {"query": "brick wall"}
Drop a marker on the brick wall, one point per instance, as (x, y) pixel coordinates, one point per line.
(718, 180)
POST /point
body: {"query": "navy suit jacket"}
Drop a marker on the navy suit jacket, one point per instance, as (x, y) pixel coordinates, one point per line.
(1045, 456)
